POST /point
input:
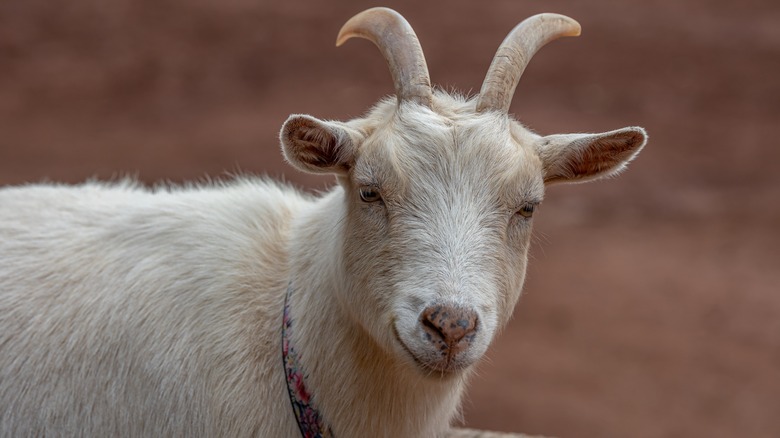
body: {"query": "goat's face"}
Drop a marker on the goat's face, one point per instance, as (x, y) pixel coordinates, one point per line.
(438, 228)
(439, 194)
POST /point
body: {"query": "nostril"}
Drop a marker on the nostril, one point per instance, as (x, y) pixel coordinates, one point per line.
(448, 323)
(432, 328)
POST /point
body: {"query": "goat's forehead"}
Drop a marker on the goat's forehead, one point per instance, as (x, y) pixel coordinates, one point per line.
(432, 150)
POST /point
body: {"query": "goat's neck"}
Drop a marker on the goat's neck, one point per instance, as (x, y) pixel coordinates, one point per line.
(358, 387)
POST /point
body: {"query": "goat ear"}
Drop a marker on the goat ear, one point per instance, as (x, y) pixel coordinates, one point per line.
(585, 157)
(316, 146)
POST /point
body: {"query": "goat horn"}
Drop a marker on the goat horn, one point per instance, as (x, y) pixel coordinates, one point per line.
(514, 54)
(399, 45)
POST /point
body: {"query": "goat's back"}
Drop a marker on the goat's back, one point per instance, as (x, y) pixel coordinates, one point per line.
(136, 312)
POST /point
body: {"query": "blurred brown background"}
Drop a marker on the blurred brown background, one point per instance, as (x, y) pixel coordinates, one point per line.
(652, 306)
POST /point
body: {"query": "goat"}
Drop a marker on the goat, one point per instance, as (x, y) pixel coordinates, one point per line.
(166, 312)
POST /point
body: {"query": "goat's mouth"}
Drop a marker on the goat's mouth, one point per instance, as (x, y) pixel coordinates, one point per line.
(432, 368)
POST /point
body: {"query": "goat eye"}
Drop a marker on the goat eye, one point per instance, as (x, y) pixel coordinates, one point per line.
(527, 211)
(368, 194)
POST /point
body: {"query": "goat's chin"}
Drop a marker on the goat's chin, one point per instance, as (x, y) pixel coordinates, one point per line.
(442, 370)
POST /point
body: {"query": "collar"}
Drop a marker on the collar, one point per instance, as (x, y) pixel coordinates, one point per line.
(309, 419)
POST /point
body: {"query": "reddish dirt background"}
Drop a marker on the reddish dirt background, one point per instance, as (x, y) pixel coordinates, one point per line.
(652, 306)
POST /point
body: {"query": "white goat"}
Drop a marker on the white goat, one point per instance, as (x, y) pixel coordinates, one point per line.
(134, 312)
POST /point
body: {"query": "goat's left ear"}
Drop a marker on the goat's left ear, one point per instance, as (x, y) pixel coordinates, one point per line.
(317, 146)
(584, 157)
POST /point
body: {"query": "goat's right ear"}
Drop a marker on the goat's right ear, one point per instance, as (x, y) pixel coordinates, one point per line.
(316, 146)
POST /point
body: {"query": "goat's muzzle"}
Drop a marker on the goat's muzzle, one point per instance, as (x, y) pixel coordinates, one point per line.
(448, 330)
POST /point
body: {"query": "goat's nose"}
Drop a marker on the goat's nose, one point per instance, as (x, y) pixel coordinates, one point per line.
(449, 325)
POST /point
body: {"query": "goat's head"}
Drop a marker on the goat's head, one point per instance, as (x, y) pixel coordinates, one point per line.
(440, 192)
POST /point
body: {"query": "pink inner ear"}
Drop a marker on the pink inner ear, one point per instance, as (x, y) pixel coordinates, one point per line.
(606, 153)
(312, 144)
(316, 146)
(624, 143)
(593, 156)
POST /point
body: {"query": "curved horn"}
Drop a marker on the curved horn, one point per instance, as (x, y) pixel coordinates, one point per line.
(399, 45)
(514, 54)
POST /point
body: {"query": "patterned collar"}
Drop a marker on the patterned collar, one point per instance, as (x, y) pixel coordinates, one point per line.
(310, 421)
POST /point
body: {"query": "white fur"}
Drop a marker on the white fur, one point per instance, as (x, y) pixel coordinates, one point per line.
(136, 312)
(132, 313)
